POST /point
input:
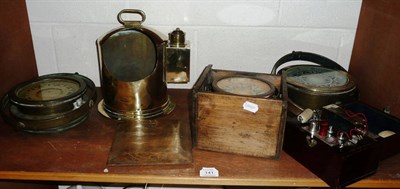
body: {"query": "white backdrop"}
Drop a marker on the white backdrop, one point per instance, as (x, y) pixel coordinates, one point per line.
(230, 34)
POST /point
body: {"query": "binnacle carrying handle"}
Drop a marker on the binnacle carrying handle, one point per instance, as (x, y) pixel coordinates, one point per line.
(131, 22)
(307, 56)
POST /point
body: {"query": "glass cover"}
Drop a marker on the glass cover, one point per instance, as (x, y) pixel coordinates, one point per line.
(244, 86)
(316, 76)
(48, 89)
(129, 55)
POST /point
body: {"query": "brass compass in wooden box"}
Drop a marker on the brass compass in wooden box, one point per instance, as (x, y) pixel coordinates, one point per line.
(239, 112)
(49, 103)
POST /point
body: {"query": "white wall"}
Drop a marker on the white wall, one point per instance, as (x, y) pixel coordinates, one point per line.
(245, 35)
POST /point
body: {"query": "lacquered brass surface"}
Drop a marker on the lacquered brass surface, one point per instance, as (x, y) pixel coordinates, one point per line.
(178, 65)
(132, 61)
(177, 38)
(178, 58)
(319, 79)
(50, 103)
(303, 100)
(313, 87)
(48, 94)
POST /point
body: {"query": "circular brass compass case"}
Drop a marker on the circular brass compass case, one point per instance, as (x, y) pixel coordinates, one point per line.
(314, 86)
(132, 63)
(49, 103)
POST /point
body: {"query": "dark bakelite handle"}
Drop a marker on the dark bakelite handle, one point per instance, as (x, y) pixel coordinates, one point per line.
(307, 56)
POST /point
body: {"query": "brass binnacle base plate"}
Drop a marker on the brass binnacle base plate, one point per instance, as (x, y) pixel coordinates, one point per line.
(151, 142)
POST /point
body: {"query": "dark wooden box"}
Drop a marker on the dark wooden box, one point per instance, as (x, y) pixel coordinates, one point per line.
(337, 167)
(378, 121)
(219, 122)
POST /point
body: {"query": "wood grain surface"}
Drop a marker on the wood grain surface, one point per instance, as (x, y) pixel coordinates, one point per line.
(17, 58)
(375, 58)
(224, 126)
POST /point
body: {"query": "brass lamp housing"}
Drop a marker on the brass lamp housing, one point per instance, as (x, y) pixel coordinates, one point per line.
(132, 70)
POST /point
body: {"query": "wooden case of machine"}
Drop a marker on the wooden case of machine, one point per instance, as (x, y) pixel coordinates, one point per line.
(220, 123)
(338, 167)
(380, 122)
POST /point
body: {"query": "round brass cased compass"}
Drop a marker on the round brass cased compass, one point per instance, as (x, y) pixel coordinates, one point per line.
(314, 86)
(49, 103)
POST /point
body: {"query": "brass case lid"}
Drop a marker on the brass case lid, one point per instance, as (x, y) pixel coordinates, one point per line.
(319, 79)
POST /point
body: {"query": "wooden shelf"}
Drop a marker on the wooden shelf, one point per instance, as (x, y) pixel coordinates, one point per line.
(80, 155)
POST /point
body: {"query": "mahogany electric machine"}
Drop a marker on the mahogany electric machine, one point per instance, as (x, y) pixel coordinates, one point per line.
(322, 132)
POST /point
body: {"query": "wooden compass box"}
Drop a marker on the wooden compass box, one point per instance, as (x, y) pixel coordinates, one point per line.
(220, 123)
